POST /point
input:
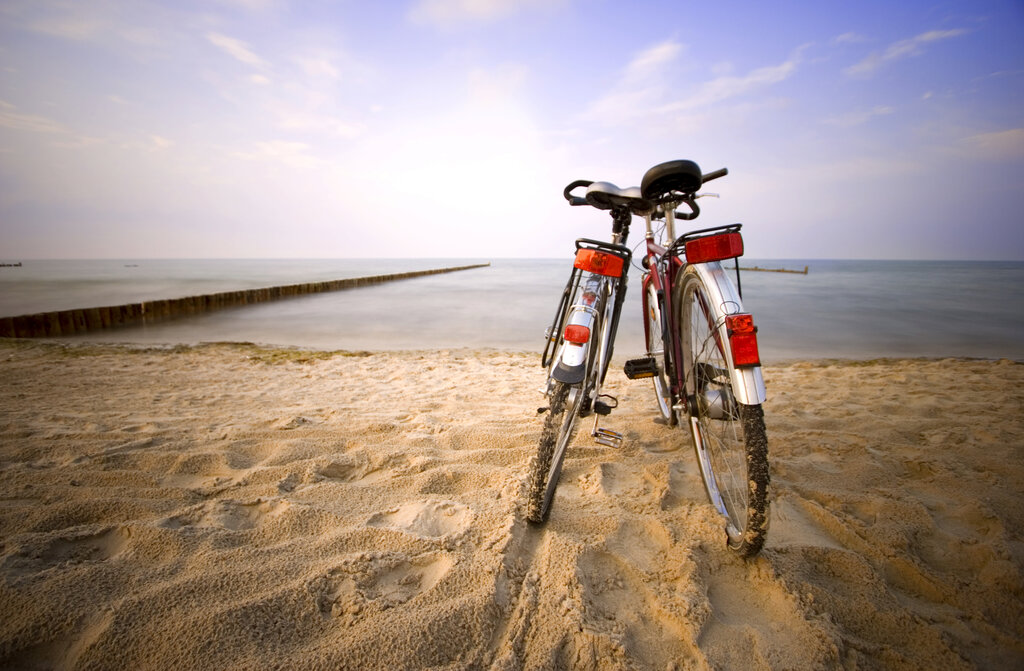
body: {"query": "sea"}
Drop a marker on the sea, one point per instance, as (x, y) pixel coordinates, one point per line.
(841, 309)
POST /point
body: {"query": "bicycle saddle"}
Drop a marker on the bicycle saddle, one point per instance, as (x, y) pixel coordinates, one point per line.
(605, 196)
(671, 176)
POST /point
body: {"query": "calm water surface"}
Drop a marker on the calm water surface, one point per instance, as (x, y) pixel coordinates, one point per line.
(846, 309)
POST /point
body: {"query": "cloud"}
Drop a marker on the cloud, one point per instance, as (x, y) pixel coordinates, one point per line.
(291, 154)
(650, 61)
(730, 86)
(9, 118)
(899, 50)
(1004, 145)
(645, 87)
(235, 48)
(70, 28)
(88, 22)
(318, 66)
(641, 85)
(849, 38)
(445, 13)
(302, 121)
(859, 117)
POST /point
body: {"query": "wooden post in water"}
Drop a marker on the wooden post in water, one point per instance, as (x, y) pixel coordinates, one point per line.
(69, 322)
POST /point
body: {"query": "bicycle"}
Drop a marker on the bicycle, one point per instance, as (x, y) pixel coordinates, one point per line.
(702, 350)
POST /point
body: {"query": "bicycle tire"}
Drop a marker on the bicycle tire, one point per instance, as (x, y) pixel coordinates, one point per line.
(728, 437)
(546, 467)
(656, 350)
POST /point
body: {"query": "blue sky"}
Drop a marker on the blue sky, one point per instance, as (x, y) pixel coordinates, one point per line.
(447, 128)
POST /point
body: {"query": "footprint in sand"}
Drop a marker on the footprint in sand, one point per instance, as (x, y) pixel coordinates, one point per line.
(426, 519)
(618, 610)
(101, 546)
(376, 580)
(292, 423)
(229, 515)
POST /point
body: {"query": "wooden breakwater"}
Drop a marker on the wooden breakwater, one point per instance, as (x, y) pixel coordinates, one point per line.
(776, 270)
(73, 322)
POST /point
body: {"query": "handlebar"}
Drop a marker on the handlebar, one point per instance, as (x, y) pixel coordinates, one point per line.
(714, 174)
(576, 200)
(689, 199)
(694, 210)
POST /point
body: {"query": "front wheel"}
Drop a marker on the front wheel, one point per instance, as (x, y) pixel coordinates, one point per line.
(728, 436)
(546, 467)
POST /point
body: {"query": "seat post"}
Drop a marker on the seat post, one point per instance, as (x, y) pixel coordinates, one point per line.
(670, 223)
(621, 218)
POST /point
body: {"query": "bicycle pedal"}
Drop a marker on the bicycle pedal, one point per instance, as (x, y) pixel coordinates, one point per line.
(605, 408)
(641, 368)
(608, 437)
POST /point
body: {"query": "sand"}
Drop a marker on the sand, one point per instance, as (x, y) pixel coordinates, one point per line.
(232, 507)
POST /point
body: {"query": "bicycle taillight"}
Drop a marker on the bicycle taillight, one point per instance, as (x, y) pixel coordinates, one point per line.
(714, 247)
(601, 263)
(576, 333)
(743, 340)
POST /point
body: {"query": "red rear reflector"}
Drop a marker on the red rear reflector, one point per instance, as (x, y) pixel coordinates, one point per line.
(601, 263)
(743, 340)
(714, 248)
(577, 334)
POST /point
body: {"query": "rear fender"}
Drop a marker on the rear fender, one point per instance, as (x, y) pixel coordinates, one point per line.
(748, 382)
(571, 366)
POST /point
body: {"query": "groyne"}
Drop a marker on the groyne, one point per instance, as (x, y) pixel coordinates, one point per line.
(73, 322)
(776, 270)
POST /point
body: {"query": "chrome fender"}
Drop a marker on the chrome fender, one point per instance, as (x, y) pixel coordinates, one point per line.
(571, 363)
(747, 383)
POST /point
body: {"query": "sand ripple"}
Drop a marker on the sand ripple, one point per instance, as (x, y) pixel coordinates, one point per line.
(224, 507)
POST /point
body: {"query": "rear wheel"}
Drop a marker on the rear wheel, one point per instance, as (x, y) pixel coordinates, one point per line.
(546, 467)
(656, 351)
(728, 436)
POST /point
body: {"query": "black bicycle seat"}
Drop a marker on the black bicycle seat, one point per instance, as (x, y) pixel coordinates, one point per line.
(605, 196)
(682, 175)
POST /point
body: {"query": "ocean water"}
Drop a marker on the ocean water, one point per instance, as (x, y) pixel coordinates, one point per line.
(840, 309)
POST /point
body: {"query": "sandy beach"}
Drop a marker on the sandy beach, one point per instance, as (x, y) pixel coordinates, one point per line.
(234, 507)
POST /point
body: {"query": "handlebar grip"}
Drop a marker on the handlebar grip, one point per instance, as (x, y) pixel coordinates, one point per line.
(689, 215)
(576, 200)
(715, 174)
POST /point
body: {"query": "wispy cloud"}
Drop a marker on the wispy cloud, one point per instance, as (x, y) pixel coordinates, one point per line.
(732, 86)
(913, 46)
(645, 86)
(849, 38)
(301, 121)
(1001, 145)
(446, 13)
(11, 118)
(89, 22)
(160, 142)
(70, 28)
(235, 48)
(859, 117)
(641, 85)
(292, 154)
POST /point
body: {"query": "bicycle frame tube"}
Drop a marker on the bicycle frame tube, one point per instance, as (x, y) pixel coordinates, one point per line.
(747, 383)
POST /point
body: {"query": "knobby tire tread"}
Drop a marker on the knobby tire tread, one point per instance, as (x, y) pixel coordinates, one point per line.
(756, 438)
(540, 466)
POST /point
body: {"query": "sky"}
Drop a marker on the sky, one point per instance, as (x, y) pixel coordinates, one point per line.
(448, 128)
